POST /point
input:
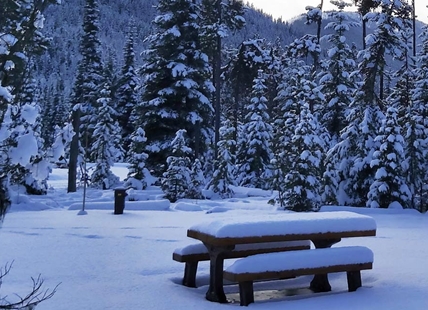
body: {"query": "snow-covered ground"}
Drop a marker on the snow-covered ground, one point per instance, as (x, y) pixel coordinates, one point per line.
(105, 261)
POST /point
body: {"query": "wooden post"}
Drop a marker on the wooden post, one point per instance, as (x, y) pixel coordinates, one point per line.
(215, 291)
(189, 278)
(320, 281)
(246, 293)
(354, 280)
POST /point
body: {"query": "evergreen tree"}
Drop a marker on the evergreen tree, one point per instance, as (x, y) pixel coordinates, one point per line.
(197, 181)
(364, 7)
(25, 122)
(255, 151)
(239, 75)
(127, 91)
(284, 124)
(21, 37)
(86, 90)
(223, 175)
(314, 15)
(176, 83)
(352, 158)
(105, 148)
(302, 183)
(417, 126)
(176, 179)
(218, 17)
(335, 76)
(389, 186)
(137, 160)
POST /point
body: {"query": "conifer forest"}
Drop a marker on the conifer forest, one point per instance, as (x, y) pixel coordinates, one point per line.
(199, 96)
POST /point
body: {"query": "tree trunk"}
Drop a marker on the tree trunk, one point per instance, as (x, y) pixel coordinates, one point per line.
(217, 81)
(4, 198)
(74, 153)
(364, 33)
(414, 27)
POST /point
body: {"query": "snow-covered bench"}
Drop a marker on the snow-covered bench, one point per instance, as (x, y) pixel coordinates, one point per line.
(192, 254)
(297, 263)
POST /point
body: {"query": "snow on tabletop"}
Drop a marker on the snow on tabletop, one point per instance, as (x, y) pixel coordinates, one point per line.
(293, 260)
(197, 248)
(287, 223)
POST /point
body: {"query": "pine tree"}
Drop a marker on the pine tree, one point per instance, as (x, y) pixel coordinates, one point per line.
(35, 174)
(303, 181)
(219, 17)
(105, 148)
(255, 151)
(364, 7)
(197, 181)
(21, 37)
(127, 91)
(176, 83)
(366, 115)
(86, 90)
(417, 127)
(335, 76)
(223, 175)
(389, 184)
(176, 178)
(285, 121)
(137, 160)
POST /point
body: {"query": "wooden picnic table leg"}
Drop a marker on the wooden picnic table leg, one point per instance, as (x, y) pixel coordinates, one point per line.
(320, 281)
(215, 291)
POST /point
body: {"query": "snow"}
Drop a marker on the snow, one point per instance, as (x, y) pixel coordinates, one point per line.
(27, 147)
(109, 262)
(286, 223)
(187, 207)
(275, 262)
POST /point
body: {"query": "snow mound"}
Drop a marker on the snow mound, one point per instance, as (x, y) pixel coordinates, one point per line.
(184, 206)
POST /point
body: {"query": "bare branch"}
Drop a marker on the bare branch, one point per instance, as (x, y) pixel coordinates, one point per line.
(32, 299)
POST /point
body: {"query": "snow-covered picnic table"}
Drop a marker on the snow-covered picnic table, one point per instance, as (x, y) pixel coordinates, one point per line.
(323, 228)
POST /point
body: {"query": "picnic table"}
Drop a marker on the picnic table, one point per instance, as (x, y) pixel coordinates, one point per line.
(323, 228)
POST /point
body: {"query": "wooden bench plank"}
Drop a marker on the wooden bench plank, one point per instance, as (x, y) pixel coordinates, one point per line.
(297, 263)
(192, 254)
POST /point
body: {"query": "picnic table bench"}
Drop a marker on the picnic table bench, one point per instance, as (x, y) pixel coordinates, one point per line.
(323, 228)
(298, 263)
(192, 254)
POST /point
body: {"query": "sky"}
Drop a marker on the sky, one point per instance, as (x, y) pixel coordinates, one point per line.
(290, 8)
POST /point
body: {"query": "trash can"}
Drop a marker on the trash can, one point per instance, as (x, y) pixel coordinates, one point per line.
(119, 200)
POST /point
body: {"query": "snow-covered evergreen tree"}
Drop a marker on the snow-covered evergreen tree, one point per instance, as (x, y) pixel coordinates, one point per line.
(255, 151)
(336, 73)
(137, 160)
(416, 125)
(32, 176)
(284, 122)
(223, 175)
(21, 37)
(197, 181)
(351, 157)
(105, 148)
(87, 85)
(127, 90)
(218, 18)
(176, 83)
(176, 179)
(389, 188)
(302, 184)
